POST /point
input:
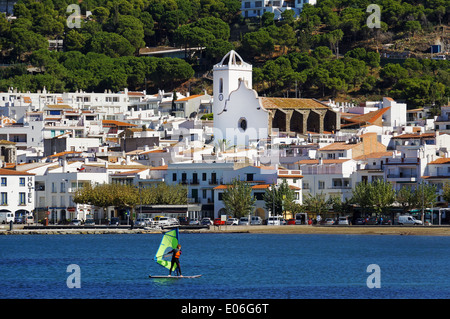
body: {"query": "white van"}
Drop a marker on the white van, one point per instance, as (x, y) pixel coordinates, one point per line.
(274, 220)
(6, 217)
(256, 220)
(408, 220)
(29, 219)
(243, 221)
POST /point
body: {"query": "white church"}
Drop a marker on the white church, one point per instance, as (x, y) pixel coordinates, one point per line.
(240, 116)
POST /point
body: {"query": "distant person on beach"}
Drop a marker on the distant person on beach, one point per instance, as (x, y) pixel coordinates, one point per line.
(176, 252)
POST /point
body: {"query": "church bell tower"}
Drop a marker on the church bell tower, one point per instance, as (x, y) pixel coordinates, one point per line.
(226, 77)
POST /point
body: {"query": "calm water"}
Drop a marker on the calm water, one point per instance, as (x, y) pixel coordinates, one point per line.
(261, 266)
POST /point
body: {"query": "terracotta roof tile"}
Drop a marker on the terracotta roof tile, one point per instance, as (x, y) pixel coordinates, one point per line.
(291, 103)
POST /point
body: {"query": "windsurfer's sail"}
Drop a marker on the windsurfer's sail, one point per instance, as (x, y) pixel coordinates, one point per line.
(168, 242)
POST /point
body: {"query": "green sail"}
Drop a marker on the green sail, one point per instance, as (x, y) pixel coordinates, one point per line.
(168, 242)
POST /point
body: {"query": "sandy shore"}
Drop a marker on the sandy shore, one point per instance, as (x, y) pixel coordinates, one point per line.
(263, 229)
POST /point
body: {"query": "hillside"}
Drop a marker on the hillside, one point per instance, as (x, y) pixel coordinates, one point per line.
(326, 52)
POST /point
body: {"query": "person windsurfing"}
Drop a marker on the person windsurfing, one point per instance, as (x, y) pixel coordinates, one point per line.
(176, 252)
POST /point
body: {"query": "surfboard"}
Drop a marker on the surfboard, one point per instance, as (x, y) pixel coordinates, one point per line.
(174, 277)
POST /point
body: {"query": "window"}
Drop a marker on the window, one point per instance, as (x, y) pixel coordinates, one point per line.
(194, 178)
(22, 181)
(321, 185)
(242, 124)
(259, 196)
(4, 199)
(203, 176)
(204, 193)
(174, 177)
(250, 177)
(220, 85)
(4, 182)
(63, 187)
(53, 187)
(220, 196)
(22, 200)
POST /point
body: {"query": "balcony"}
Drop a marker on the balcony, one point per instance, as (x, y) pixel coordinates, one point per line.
(216, 181)
(402, 178)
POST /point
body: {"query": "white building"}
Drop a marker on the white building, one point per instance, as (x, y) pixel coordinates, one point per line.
(16, 192)
(332, 177)
(256, 8)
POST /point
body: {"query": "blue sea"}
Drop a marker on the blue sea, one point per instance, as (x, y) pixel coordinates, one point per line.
(255, 266)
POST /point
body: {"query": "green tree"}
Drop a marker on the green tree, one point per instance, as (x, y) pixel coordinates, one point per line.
(407, 198)
(25, 41)
(362, 196)
(132, 29)
(446, 192)
(316, 204)
(111, 44)
(74, 41)
(238, 199)
(383, 196)
(279, 200)
(257, 43)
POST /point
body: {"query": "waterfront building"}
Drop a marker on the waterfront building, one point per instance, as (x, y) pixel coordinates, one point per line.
(17, 192)
(332, 177)
(414, 152)
(437, 173)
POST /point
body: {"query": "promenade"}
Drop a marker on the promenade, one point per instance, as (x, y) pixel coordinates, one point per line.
(255, 229)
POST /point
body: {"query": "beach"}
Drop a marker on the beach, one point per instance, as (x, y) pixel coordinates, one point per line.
(257, 229)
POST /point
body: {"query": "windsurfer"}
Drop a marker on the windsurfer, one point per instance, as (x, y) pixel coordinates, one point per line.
(176, 252)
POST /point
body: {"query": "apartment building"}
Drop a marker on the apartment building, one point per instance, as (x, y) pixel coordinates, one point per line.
(332, 177)
(438, 173)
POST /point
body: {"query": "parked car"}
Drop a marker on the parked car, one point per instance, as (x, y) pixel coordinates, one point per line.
(218, 222)
(274, 220)
(243, 221)
(18, 220)
(291, 221)
(256, 220)
(140, 222)
(194, 221)
(233, 221)
(386, 221)
(114, 221)
(75, 222)
(29, 219)
(183, 220)
(328, 221)
(360, 221)
(343, 221)
(167, 221)
(89, 222)
(207, 221)
(173, 221)
(372, 221)
(148, 221)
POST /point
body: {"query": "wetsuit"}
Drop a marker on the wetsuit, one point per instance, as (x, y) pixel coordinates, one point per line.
(175, 260)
